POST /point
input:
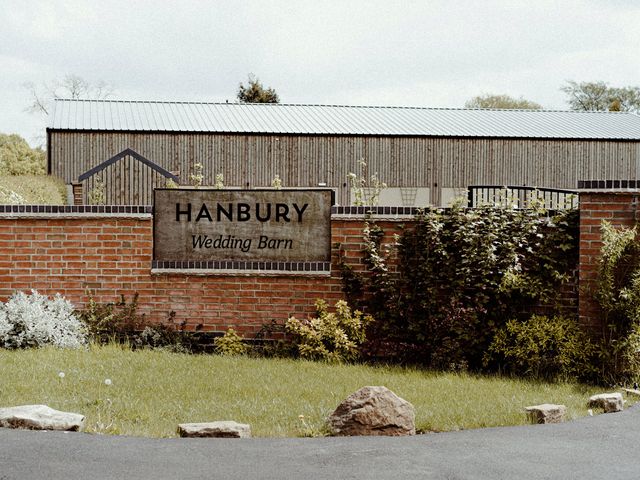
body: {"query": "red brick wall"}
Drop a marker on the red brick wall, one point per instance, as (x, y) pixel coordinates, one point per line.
(618, 208)
(112, 256)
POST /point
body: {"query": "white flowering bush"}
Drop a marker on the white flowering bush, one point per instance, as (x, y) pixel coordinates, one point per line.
(8, 196)
(5, 326)
(36, 320)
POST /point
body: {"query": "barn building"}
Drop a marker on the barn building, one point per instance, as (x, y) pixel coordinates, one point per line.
(425, 156)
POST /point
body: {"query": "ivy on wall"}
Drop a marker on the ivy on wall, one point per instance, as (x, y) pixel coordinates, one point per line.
(448, 284)
(618, 294)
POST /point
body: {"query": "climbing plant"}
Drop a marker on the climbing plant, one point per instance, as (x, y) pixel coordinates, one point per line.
(459, 273)
(618, 293)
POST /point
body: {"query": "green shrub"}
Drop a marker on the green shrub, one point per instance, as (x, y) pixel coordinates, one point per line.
(166, 336)
(543, 347)
(455, 277)
(32, 190)
(230, 344)
(98, 194)
(332, 337)
(120, 322)
(18, 158)
(630, 353)
(272, 341)
(112, 320)
(618, 293)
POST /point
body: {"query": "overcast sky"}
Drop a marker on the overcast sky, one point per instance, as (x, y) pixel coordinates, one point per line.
(404, 53)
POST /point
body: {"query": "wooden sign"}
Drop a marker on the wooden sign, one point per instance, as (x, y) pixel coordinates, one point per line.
(253, 225)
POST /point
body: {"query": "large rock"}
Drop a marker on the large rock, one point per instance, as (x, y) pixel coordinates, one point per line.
(373, 411)
(546, 413)
(220, 429)
(609, 402)
(40, 417)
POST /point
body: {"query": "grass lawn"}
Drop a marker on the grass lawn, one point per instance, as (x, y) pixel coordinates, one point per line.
(152, 391)
(32, 190)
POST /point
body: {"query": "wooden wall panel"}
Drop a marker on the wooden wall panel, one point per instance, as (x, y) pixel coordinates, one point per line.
(304, 161)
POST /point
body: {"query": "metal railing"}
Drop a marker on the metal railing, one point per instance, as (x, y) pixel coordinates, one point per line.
(522, 197)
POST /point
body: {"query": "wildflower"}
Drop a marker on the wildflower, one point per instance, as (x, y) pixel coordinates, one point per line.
(61, 374)
(107, 381)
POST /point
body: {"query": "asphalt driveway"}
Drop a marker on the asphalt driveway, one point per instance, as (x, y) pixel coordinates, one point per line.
(604, 446)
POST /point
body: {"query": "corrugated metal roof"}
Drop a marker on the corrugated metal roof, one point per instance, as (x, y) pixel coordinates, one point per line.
(105, 115)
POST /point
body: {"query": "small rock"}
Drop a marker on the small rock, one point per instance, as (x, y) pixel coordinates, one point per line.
(546, 413)
(40, 417)
(373, 411)
(220, 429)
(609, 402)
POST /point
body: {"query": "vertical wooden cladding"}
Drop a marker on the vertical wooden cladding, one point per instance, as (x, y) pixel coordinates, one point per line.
(126, 182)
(247, 160)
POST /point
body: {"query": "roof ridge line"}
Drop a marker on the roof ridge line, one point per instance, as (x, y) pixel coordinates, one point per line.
(389, 107)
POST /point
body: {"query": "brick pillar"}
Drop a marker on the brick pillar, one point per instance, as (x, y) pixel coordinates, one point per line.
(77, 194)
(619, 209)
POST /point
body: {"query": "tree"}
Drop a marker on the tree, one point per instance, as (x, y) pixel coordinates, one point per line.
(71, 86)
(18, 158)
(599, 96)
(254, 92)
(501, 102)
